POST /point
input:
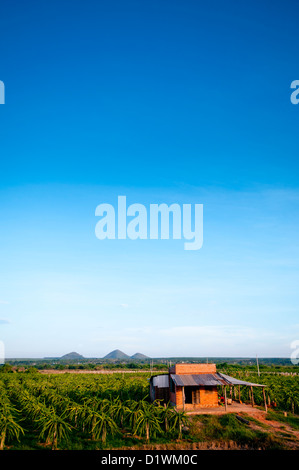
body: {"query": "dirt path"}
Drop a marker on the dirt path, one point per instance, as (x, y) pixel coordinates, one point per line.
(280, 430)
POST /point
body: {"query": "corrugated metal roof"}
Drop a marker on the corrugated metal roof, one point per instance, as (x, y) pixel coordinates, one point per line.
(208, 380)
(233, 381)
(161, 381)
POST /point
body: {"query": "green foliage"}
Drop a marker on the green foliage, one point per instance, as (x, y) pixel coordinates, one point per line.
(52, 427)
(6, 368)
(58, 407)
(291, 420)
(147, 422)
(94, 410)
(226, 428)
(282, 388)
(9, 428)
(32, 370)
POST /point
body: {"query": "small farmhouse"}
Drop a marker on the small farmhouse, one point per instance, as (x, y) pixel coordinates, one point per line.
(192, 386)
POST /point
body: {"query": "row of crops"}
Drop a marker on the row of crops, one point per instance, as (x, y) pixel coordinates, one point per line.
(58, 409)
(282, 391)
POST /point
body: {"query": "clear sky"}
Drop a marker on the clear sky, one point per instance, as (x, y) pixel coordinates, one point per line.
(161, 101)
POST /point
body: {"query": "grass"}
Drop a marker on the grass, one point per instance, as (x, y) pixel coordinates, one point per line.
(291, 420)
(213, 431)
(227, 428)
(251, 419)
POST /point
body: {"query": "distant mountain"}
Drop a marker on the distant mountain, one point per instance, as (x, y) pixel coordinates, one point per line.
(72, 356)
(139, 356)
(116, 354)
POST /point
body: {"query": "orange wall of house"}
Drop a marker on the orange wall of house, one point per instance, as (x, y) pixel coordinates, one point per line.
(194, 369)
(210, 398)
(207, 399)
(179, 396)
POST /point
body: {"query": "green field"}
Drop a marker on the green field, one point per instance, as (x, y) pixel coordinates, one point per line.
(105, 411)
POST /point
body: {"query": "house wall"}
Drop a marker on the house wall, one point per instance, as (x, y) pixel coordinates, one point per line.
(181, 369)
(159, 388)
(161, 394)
(179, 396)
(172, 398)
(208, 398)
(208, 395)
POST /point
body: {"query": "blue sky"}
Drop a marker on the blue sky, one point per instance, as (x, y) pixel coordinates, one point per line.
(162, 102)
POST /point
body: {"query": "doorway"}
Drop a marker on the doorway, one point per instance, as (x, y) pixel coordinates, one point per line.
(192, 395)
